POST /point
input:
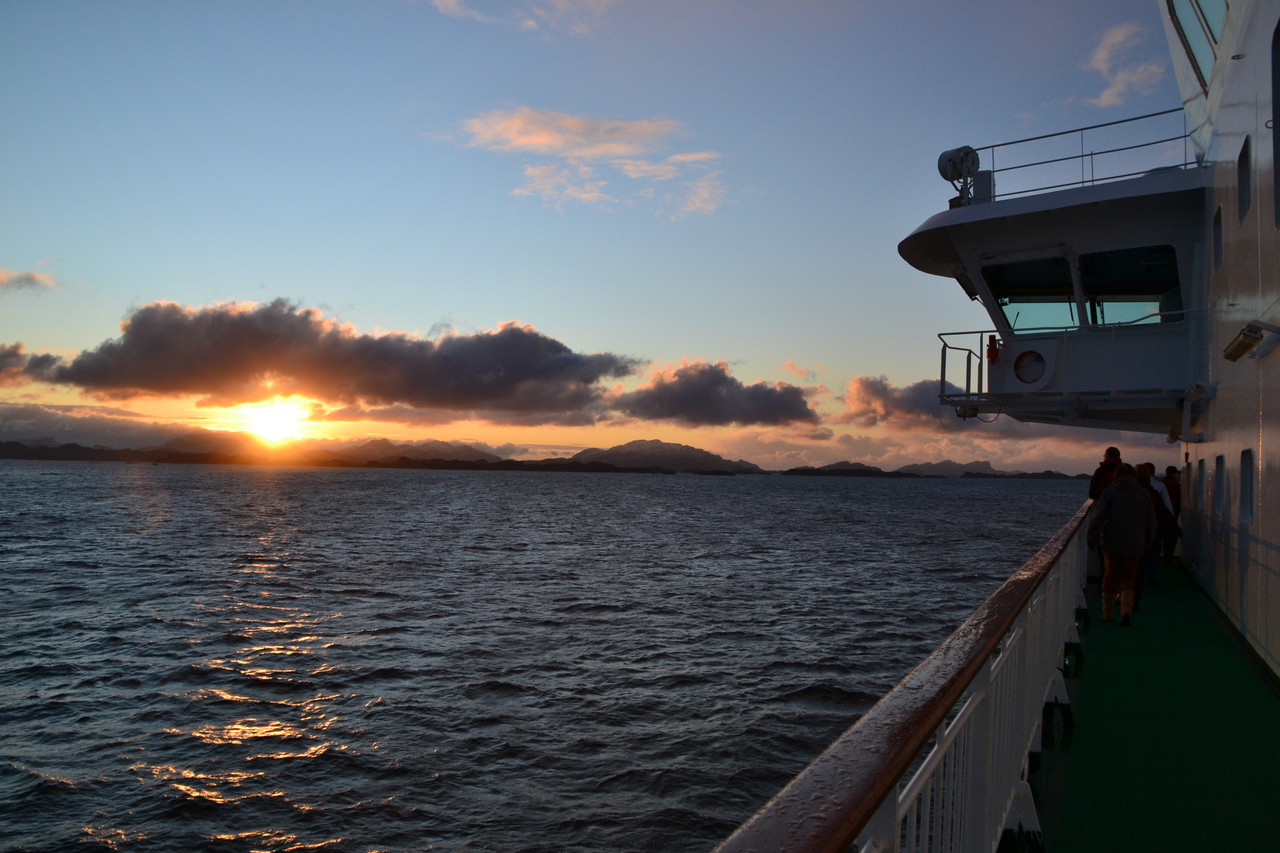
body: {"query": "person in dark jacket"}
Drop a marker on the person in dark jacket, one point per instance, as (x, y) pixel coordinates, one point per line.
(1103, 477)
(1105, 474)
(1124, 526)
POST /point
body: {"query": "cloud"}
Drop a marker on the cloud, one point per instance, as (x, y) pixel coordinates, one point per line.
(588, 155)
(242, 353)
(578, 17)
(37, 424)
(924, 429)
(807, 374)
(530, 131)
(13, 280)
(586, 415)
(705, 195)
(556, 185)
(239, 353)
(663, 170)
(13, 364)
(1122, 80)
(871, 401)
(702, 394)
(458, 9)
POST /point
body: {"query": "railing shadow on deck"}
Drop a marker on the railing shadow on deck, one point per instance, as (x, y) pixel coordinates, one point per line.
(940, 763)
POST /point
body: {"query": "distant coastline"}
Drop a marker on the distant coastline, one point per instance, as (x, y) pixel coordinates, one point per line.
(649, 457)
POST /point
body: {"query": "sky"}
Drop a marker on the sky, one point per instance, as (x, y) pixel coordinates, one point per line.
(534, 226)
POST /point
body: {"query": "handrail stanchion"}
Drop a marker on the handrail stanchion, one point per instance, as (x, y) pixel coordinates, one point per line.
(942, 381)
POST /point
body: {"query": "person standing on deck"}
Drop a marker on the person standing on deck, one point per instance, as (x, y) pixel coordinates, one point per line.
(1103, 476)
(1124, 526)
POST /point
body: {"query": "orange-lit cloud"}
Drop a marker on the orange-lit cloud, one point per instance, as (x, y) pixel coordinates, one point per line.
(514, 376)
(13, 280)
(808, 374)
(871, 401)
(555, 184)
(665, 169)
(1123, 80)
(233, 354)
(529, 131)
(909, 424)
(589, 156)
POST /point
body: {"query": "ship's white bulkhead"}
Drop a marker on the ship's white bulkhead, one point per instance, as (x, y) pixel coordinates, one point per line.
(1088, 290)
(1149, 300)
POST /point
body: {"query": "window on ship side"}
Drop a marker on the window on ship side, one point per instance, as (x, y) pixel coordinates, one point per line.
(1244, 179)
(1248, 474)
(1217, 239)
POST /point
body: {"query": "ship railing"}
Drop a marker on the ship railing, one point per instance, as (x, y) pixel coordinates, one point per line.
(941, 763)
(1097, 153)
(973, 362)
(969, 353)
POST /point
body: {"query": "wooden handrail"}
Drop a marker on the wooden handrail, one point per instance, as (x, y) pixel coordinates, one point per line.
(826, 806)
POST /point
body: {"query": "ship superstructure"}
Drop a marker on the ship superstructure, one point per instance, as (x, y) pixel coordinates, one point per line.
(1145, 300)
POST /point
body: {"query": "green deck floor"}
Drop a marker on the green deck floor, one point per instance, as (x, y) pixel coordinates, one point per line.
(1176, 742)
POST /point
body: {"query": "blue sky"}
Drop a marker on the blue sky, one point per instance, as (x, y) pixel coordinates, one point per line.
(716, 186)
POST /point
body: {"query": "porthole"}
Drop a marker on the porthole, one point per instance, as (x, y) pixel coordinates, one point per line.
(1029, 367)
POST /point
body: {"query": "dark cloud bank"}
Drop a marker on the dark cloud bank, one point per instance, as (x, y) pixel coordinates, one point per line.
(872, 401)
(230, 354)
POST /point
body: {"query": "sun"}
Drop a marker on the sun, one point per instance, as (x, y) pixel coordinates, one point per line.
(276, 421)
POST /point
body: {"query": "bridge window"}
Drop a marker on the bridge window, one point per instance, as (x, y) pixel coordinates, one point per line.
(1215, 16)
(1034, 294)
(1200, 24)
(1131, 285)
(1120, 286)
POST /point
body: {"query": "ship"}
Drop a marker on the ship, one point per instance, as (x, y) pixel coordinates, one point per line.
(1132, 283)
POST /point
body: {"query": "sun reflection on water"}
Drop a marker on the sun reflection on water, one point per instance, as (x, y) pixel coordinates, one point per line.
(272, 841)
(258, 701)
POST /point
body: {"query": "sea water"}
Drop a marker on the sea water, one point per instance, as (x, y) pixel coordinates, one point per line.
(231, 658)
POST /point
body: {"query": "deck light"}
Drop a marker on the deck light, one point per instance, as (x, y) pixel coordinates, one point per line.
(1246, 339)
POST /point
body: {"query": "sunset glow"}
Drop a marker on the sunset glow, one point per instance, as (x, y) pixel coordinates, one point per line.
(275, 422)
(575, 249)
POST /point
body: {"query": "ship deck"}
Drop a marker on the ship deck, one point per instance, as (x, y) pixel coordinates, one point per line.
(1176, 737)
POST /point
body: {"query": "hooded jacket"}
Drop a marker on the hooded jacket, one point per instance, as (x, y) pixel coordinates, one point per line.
(1124, 519)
